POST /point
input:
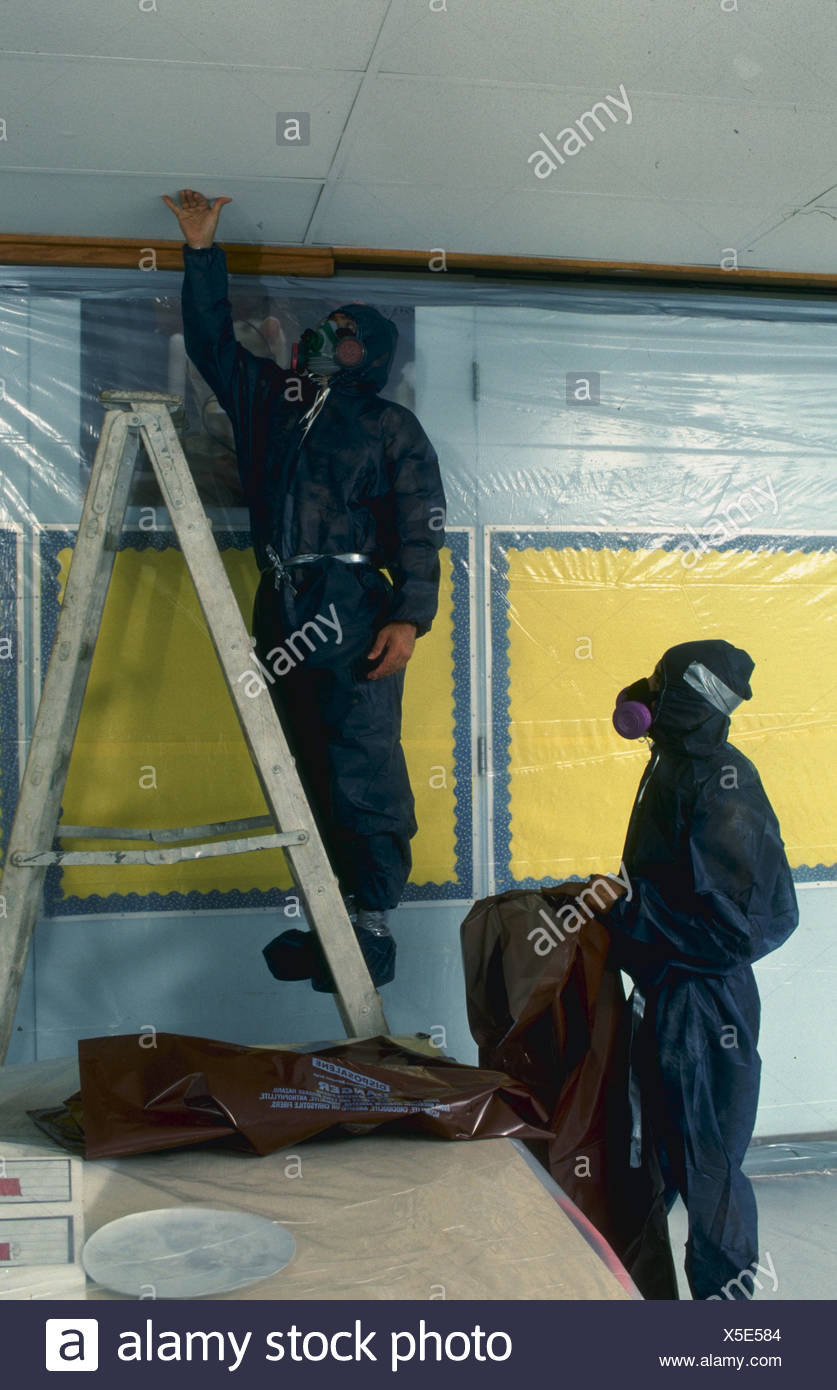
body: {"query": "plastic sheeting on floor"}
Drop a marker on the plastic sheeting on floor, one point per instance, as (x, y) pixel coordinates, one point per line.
(381, 1217)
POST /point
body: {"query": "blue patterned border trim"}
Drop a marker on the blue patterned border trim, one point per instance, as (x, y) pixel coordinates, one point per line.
(657, 540)
(53, 542)
(504, 541)
(9, 703)
(463, 885)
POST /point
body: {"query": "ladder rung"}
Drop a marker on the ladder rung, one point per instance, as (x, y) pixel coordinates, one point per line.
(187, 832)
(176, 855)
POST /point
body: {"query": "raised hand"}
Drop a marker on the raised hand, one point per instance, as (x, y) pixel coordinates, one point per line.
(198, 217)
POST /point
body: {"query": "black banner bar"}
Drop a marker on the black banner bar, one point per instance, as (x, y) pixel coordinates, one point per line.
(244, 1343)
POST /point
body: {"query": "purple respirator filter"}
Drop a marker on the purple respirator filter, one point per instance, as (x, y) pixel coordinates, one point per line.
(631, 718)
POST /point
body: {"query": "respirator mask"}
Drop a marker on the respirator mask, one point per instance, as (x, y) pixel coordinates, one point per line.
(327, 349)
(634, 710)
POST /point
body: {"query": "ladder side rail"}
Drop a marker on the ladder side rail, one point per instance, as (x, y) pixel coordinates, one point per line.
(45, 774)
(358, 1002)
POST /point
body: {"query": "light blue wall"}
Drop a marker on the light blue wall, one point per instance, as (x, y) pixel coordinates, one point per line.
(798, 1035)
(203, 974)
(695, 403)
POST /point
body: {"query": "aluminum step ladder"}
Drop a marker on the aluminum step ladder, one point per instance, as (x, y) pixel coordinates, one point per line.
(149, 418)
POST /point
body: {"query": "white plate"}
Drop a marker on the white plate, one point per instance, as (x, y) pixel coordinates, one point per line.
(185, 1252)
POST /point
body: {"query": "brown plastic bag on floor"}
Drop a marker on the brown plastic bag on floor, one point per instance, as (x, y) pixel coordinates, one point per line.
(560, 1023)
(180, 1091)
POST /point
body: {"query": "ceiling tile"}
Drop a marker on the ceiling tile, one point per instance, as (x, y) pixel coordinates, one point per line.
(477, 136)
(676, 46)
(122, 205)
(575, 225)
(277, 33)
(98, 114)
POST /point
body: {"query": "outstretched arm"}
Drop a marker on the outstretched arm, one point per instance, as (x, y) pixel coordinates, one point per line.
(236, 375)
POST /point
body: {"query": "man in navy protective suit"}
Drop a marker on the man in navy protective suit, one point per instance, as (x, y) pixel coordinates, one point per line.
(341, 484)
(711, 893)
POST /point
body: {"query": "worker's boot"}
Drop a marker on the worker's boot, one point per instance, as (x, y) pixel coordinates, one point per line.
(378, 947)
(296, 954)
(292, 955)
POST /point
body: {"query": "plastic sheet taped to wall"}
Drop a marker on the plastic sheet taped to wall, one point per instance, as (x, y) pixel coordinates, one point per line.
(566, 764)
(626, 469)
(11, 672)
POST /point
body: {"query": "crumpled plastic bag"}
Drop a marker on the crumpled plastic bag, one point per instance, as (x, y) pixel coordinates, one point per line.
(136, 1098)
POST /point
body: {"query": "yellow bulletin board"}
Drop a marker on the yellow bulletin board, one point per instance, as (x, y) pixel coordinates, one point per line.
(577, 616)
(159, 744)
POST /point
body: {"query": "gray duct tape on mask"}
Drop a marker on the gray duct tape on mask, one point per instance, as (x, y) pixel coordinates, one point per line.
(701, 679)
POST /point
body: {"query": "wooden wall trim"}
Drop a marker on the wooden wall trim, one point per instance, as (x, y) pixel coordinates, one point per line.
(560, 267)
(134, 253)
(322, 261)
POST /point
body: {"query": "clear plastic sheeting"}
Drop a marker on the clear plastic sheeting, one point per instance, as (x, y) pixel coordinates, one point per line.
(803, 1156)
(685, 398)
(625, 467)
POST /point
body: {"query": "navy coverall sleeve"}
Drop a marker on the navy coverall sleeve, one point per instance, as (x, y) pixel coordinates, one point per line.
(236, 375)
(418, 502)
(731, 905)
(741, 870)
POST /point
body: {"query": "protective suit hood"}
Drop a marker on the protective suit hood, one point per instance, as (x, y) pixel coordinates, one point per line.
(379, 336)
(702, 682)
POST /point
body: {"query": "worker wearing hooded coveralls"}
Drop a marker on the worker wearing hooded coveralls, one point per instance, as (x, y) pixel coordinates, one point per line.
(711, 893)
(331, 469)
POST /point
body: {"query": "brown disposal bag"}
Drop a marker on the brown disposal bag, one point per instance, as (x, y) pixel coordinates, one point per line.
(559, 1022)
(181, 1091)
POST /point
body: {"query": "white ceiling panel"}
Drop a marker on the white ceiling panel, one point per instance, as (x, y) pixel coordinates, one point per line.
(121, 205)
(538, 41)
(575, 225)
(474, 136)
(101, 114)
(337, 34)
(793, 238)
(468, 135)
(784, 51)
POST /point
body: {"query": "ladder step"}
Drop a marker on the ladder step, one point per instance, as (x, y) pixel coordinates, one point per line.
(177, 855)
(186, 832)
